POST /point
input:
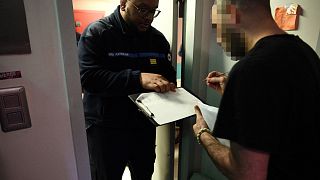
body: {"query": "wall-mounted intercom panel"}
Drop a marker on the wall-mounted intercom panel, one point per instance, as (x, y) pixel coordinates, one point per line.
(14, 112)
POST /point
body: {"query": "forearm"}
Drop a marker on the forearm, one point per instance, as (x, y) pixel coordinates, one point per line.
(111, 83)
(220, 155)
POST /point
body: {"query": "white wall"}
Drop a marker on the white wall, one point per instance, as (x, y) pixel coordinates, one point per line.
(54, 148)
(309, 25)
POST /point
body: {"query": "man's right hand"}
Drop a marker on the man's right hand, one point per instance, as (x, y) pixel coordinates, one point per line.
(156, 82)
(217, 80)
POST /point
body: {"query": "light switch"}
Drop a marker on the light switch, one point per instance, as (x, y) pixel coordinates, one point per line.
(14, 112)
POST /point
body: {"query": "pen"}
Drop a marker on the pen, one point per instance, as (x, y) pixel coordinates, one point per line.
(217, 75)
(146, 108)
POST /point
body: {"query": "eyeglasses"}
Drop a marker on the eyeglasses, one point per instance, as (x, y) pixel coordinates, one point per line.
(145, 12)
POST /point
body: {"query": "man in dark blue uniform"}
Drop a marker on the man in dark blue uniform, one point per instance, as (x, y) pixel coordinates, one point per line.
(119, 55)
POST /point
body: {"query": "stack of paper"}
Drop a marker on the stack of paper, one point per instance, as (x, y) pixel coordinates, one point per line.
(163, 108)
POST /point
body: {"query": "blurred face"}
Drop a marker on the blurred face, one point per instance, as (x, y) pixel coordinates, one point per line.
(140, 13)
(229, 36)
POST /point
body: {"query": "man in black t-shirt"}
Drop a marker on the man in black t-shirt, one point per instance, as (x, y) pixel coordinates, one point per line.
(270, 105)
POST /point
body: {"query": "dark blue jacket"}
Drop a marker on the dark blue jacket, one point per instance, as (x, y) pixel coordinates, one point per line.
(112, 55)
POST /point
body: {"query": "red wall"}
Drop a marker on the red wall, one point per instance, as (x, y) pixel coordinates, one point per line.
(85, 17)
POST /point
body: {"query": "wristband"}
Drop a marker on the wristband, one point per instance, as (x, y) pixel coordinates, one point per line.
(202, 130)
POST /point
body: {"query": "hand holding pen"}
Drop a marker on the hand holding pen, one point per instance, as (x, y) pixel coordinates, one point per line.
(217, 81)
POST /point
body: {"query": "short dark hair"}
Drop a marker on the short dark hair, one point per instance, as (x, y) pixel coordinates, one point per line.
(249, 4)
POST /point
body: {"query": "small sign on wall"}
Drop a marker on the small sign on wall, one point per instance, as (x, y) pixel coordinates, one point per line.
(14, 37)
(287, 17)
(10, 75)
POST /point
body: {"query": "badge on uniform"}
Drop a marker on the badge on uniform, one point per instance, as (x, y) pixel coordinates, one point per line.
(169, 57)
(153, 61)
